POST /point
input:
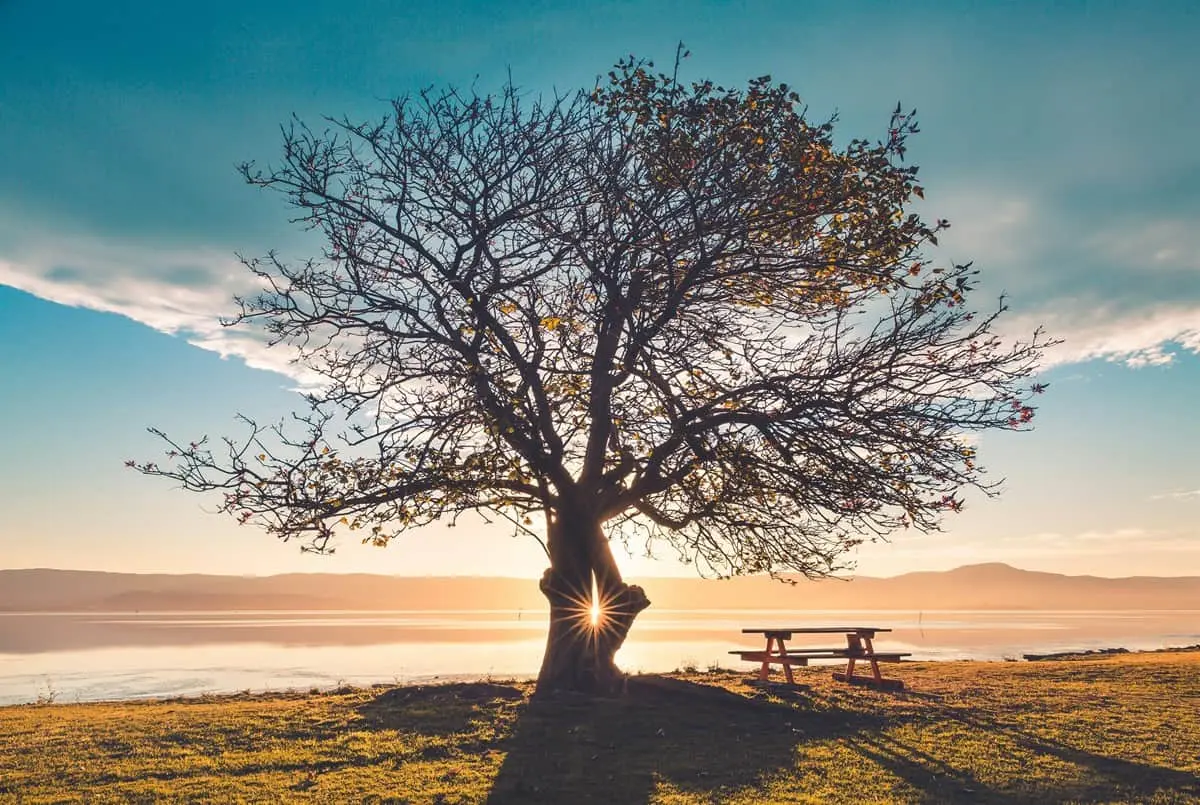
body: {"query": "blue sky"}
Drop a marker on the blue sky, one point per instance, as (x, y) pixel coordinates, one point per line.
(1058, 138)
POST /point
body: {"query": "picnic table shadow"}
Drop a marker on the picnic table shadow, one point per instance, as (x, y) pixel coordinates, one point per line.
(692, 736)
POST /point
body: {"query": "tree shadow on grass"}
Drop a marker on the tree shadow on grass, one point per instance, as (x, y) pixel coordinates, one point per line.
(934, 779)
(692, 736)
(434, 709)
(1100, 777)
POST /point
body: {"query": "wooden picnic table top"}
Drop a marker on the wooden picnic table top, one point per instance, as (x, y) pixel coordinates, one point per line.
(817, 630)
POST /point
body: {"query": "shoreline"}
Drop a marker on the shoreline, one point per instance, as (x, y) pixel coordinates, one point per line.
(53, 699)
(1092, 654)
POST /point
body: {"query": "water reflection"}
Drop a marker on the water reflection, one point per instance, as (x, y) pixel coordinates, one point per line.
(88, 656)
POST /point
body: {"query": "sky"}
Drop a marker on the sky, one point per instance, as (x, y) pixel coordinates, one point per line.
(1057, 138)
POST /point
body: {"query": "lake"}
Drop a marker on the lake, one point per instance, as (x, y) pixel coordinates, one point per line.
(98, 656)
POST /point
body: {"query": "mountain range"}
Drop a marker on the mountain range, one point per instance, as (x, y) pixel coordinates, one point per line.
(984, 586)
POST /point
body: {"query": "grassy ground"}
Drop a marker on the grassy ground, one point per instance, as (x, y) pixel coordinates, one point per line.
(1114, 729)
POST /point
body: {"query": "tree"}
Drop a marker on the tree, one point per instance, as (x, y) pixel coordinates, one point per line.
(664, 312)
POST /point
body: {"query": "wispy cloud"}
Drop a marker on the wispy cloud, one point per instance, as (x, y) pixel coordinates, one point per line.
(1194, 493)
(1155, 245)
(1019, 549)
(990, 225)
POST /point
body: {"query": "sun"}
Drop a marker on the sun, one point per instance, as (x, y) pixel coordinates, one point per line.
(592, 614)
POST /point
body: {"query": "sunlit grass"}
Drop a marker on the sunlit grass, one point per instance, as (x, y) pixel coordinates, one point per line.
(1114, 729)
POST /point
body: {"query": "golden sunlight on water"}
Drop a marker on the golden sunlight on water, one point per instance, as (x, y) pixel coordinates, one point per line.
(125, 655)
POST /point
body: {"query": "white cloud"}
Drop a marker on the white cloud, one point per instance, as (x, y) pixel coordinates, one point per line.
(1122, 294)
(1148, 336)
(181, 292)
(184, 291)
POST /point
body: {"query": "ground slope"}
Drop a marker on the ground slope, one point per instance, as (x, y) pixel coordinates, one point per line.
(1114, 729)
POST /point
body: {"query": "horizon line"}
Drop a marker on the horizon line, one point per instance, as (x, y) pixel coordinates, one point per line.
(796, 576)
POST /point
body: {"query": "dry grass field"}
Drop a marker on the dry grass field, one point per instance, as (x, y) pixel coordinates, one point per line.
(1124, 728)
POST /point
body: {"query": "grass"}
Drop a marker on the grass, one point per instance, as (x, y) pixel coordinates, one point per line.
(1113, 729)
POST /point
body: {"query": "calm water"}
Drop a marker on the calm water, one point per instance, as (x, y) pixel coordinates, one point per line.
(93, 656)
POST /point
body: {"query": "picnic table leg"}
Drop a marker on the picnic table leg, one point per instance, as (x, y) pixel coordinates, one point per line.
(765, 671)
(787, 668)
(874, 662)
(855, 647)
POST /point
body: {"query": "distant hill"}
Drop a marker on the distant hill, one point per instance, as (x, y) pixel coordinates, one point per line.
(986, 586)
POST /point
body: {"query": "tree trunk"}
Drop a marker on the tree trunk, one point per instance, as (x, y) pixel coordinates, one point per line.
(579, 653)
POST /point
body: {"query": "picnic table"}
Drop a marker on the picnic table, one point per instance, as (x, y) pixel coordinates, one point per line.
(859, 646)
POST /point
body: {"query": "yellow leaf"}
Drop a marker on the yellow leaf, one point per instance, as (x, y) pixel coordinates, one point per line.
(551, 322)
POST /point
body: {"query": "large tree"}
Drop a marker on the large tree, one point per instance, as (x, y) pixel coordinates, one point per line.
(673, 313)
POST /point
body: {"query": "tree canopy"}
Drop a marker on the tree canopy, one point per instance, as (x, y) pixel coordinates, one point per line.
(679, 310)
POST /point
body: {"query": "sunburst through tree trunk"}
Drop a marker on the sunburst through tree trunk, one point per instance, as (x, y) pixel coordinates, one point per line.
(591, 608)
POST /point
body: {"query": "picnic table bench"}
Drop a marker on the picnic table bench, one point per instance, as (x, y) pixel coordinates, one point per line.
(858, 647)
